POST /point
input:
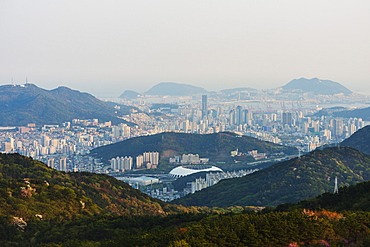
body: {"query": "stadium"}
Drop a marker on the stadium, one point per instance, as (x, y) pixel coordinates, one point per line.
(182, 171)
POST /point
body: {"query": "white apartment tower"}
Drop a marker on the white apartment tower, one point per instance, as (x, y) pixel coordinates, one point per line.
(63, 164)
(151, 157)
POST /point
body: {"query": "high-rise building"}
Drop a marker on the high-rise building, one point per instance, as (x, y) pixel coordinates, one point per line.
(51, 162)
(337, 127)
(45, 140)
(121, 130)
(139, 161)
(239, 115)
(247, 116)
(151, 157)
(204, 106)
(121, 163)
(63, 164)
(287, 118)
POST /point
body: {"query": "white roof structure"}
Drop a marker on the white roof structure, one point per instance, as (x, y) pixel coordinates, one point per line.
(143, 180)
(182, 171)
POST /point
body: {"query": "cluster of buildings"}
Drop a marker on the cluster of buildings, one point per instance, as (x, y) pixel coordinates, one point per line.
(213, 178)
(284, 122)
(254, 153)
(295, 126)
(188, 159)
(65, 147)
(147, 160)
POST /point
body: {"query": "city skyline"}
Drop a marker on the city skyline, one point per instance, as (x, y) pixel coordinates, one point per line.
(106, 48)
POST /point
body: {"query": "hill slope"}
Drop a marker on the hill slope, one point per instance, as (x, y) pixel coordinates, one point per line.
(28, 187)
(20, 105)
(129, 95)
(174, 89)
(355, 198)
(216, 146)
(288, 181)
(359, 140)
(363, 113)
(316, 86)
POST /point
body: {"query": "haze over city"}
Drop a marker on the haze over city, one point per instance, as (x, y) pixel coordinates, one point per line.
(107, 47)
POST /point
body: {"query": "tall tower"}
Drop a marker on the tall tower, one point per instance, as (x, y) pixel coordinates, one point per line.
(239, 115)
(204, 106)
(336, 185)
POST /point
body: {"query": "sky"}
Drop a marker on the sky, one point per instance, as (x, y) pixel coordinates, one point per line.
(106, 47)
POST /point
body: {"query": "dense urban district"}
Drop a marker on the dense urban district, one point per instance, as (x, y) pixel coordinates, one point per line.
(288, 117)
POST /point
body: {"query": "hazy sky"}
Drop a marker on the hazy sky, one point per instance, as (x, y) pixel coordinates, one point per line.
(106, 47)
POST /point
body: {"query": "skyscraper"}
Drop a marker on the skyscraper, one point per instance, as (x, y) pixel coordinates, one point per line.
(239, 115)
(204, 106)
(287, 118)
(337, 127)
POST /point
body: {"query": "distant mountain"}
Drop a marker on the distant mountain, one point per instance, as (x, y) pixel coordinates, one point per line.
(316, 86)
(359, 140)
(20, 105)
(288, 181)
(216, 146)
(239, 89)
(28, 188)
(129, 95)
(363, 113)
(174, 89)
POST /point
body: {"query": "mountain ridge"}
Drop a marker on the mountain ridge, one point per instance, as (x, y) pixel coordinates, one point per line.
(215, 146)
(316, 86)
(174, 89)
(23, 104)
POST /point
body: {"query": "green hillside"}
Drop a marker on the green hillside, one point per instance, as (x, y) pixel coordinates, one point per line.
(20, 105)
(97, 221)
(288, 181)
(363, 113)
(355, 198)
(359, 140)
(29, 187)
(216, 146)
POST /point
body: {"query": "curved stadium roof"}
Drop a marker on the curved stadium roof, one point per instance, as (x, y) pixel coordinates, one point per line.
(182, 171)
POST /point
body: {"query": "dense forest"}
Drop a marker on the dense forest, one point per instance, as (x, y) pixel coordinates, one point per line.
(43, 207)
(294, 228)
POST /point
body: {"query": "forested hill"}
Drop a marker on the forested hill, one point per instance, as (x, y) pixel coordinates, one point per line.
(35, 202)
(355, 198)
(363, 113)
(28, 188)
(20, 105)
(359, 140)
(288, 181)
(216, 146)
